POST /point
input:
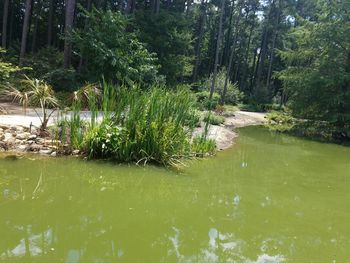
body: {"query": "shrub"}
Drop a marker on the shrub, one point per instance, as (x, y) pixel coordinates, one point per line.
(203, 102)
(6, 69)
(213, 119)
(233, 94)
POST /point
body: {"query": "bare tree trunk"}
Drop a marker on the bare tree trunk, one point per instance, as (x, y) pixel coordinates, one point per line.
(25, 30)
(228, 36)
(222, 99)
(201, 23)
(157, 7)
(11, 25)
(82, 61)
(252, 72)
(70, 8)
(128, 8)
(261, 60)
(35, 30)
(4, 23)
(269, 73)
(218, 47)
(50, 22)
(246, 58)
(277, 21)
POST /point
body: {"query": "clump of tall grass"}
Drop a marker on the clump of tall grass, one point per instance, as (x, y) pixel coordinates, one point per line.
(133, 125)
(153, 126)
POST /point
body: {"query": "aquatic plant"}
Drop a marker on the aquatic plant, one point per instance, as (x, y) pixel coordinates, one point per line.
(153, 126)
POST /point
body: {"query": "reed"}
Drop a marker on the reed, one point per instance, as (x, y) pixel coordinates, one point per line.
(146, 126)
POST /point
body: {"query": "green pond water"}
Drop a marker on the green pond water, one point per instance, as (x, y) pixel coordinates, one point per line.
(270, 198)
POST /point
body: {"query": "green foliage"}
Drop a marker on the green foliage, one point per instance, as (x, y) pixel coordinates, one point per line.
(317, 77)
(233, 95)
(203, 100)
(213, 119)
(145, 127)
(113, 51)
(314, 129)
(201, 146)
(280, 121)
(168, 35)
(6, 69)
(36, 93)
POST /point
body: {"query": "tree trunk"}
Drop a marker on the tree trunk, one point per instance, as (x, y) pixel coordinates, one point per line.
(70, 8)
(11, 24)
(128, 8)
(269, 73)
(261, 60)
(50, 22)
(277, 21)
(228, 36)
(218, 47)
(201, 23)
(82, 61)
(25, 30)
(35, 30)
(4, 23)
(222, 100)
(246, 59)
(157, 7)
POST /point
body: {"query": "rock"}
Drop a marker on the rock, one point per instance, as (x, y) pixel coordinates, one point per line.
(23, 136)
(8, 138)
(54, 154)
(75, 152)
(19, 129)
(32, 137)
(52, 142)
(22, 148)
(34, 147)
(3, 146)
(46, 152)
(40, 140)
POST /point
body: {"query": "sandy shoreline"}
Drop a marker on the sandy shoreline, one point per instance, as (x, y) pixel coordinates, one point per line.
(17, 123)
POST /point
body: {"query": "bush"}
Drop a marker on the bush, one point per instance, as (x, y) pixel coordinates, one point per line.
(6, 69)
(213, 119)
(203, 102)
(233, 94)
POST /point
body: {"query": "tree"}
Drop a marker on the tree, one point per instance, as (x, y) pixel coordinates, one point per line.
(218, 47)
(4, 23)
(317, 76)
(70, 8)
(28, 10)
(112, 51)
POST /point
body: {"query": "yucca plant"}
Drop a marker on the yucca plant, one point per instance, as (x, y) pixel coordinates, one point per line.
(37, 93)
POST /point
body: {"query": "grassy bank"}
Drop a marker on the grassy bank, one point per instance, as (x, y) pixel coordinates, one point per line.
(323, 131)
